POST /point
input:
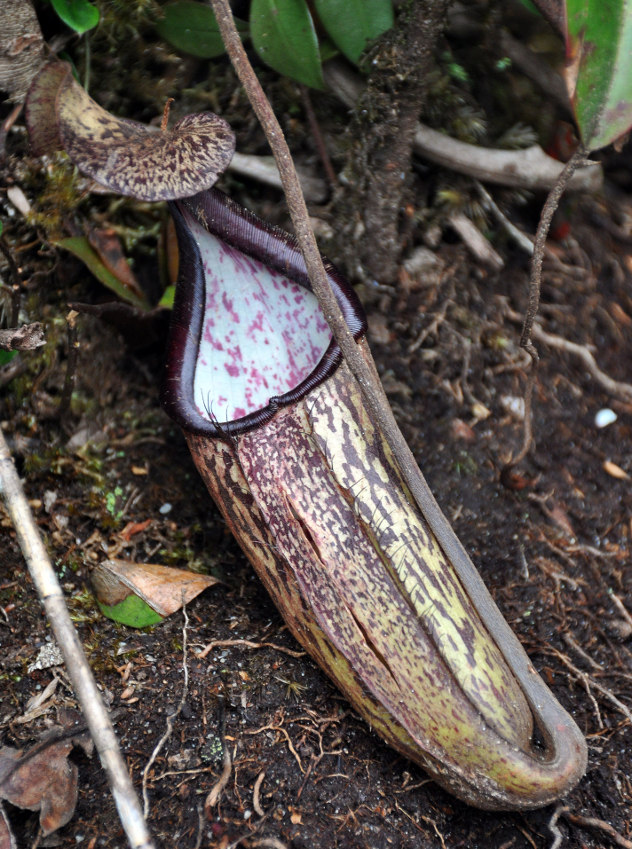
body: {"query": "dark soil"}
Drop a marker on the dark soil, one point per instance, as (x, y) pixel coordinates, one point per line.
(553, 547)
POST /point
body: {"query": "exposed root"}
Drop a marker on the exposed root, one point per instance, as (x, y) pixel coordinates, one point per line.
(597, 825)
(558, 837)
(215, 644)
(587, 679)
(615, 387)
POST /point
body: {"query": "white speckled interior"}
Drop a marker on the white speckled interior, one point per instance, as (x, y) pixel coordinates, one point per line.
(262, 334)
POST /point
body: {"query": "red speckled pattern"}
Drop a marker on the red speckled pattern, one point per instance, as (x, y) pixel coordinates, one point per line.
(262, 334)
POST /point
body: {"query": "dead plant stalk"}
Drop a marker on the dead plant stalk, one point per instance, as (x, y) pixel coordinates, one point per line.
(51, 595)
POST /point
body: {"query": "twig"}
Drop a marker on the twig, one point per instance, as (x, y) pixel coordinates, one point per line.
(531, 64)
(521, 239)
(535, 285)
(172, 717)
(598, 825)
(530, 168)
(570, 642)
(474, 240)
(566, 746)
(317, 137)
(548, 210)
(50, 593)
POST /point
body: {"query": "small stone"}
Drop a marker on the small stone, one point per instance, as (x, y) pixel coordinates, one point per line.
(605, 417)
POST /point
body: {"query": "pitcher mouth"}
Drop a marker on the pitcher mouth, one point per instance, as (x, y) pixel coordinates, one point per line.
(247, 333)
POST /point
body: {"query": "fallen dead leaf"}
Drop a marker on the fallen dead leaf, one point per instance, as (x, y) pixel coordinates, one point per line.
(141, 594)
(45, 781)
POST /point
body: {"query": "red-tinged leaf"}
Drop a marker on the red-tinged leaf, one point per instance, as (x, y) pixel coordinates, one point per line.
(599, 68)
(81, 248)
(108, 247)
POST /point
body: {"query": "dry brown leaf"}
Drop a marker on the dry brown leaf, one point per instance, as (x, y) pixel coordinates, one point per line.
(163, 588)
(44, 782)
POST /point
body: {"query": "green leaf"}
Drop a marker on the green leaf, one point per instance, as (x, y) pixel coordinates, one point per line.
(81, 248)
(352, 24)
(7, 356)
(283, 35)
(79, 15)
(599, 68)
(191, 28)
(132, 611)
(168, 297)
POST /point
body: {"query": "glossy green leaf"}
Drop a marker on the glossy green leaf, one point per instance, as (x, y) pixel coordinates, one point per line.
(79, 15)
(191, 28)
(599, 68)
(283, 35)
(132, 611)
(352, 24)
(81, 248)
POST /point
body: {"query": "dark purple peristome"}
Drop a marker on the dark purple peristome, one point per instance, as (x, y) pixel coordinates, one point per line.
(247, 237)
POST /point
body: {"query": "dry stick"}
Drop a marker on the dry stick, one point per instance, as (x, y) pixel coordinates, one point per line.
(535, 285)
(52, 597)
(359, 362)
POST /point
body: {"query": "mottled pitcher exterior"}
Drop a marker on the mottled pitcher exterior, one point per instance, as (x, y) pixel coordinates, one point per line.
(309, 488)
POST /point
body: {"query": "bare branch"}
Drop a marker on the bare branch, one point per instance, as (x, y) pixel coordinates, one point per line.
(51, 595)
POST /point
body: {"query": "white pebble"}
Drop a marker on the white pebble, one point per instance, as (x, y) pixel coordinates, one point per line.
(605, 417)
(166, 508)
